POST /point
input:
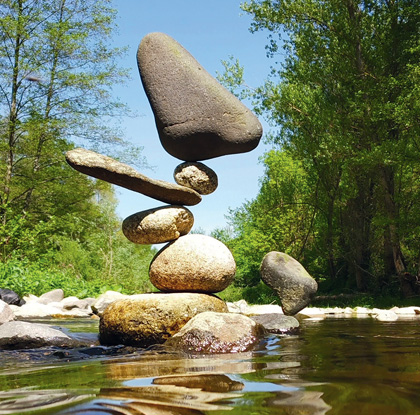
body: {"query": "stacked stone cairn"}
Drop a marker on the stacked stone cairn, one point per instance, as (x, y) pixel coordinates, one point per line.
(197, 119)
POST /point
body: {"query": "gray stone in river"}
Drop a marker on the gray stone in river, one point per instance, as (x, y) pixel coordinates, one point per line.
(197, 176)
(277, 323)
(147, 319)
(196, 117)
(112, 171)
(155, 226)
(292, 283)
(211, 332)
(23, 335)
(195, 263)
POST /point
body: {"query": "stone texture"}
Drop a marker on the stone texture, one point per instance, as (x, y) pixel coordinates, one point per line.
(51, 296)
(6, 313)
(34, 310)
(211, 332)
(196, 263)
(10, 297)
(24, 335)
(294, 286)
(105, 299)
(146, 319)
(196, 176)
(112, 171)
(155, 226)
(277, 323)
(196, 117)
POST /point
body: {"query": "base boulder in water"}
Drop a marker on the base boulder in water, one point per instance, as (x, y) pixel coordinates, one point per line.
(147, 319)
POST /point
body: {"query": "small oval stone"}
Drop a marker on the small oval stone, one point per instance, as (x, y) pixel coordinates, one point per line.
(196, 176)
(196, 263)
(155, 226)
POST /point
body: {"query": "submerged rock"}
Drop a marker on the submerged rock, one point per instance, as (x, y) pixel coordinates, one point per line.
(196, 176)
(196, 117)
(195, 263)
(155, 226)
(277, 323)
(112, 171)
(292, 283)
(147, 319)
(204, 382)
(211, 332)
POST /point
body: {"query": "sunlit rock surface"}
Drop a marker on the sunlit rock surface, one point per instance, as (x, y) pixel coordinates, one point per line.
(196, 176)
(112, 171)
(146, 319)
(196, 117)
(154, 226)
(292, 283)
(217, 333)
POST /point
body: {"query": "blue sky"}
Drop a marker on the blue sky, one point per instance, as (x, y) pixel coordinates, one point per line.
(211, 31)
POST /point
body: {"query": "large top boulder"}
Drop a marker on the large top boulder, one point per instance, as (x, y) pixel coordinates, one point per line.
(196, 117)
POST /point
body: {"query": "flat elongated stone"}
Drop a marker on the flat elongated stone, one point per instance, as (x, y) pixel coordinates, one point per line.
(155, 226)
(196, 117)
(112, 171)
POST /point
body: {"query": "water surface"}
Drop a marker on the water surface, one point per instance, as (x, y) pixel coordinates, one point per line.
(333, 366)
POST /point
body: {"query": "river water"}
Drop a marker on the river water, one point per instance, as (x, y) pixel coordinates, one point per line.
(333, 366)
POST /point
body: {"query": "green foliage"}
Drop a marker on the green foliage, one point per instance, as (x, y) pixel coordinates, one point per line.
(344, 100)
(58, 228)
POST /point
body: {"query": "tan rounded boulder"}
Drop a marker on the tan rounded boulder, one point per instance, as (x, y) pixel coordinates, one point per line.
(196, 263)
(158, 225)
(147, 319)
(196, 176)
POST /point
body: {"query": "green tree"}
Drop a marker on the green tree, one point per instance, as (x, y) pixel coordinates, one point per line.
(346, 100)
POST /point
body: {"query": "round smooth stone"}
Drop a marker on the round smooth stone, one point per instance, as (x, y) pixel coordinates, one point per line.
(195, 263)
(154, 226)
(196, 176)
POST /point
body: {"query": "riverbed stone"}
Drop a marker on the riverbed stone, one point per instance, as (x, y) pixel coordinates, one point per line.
(147, 319)
(196, 117)
(195, 263)
(6, 313)
(212, 332)
(158, 225)
(196, 176)
(105, 299)
(25, 335)
(277, 323)
(112, 171)
(53, 296)
(292, 283)
(10, 297)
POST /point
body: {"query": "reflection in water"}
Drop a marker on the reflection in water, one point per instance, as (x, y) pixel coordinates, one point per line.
(333, 367)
